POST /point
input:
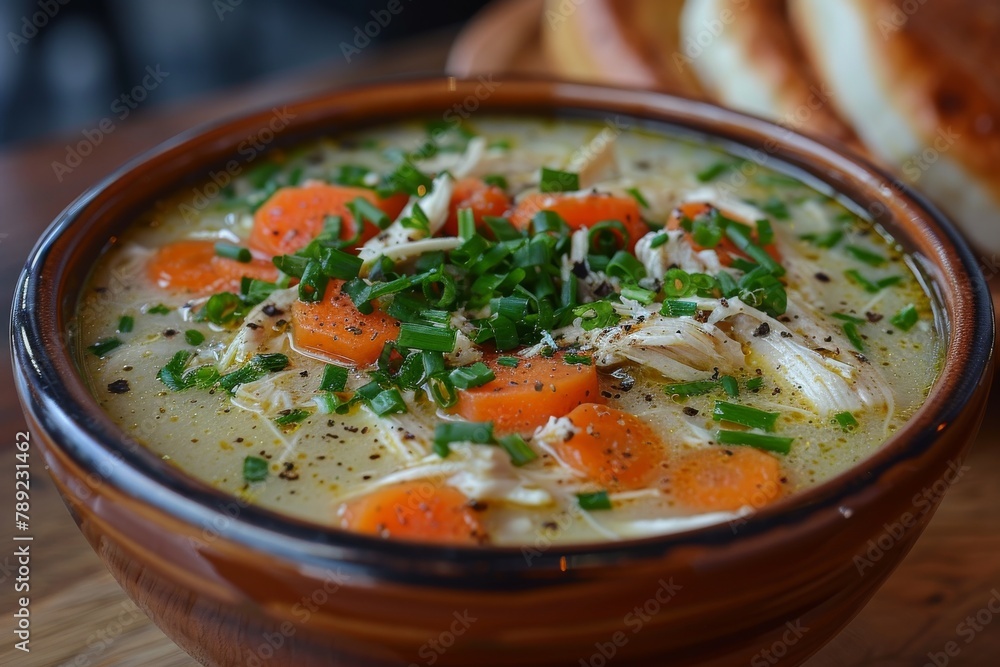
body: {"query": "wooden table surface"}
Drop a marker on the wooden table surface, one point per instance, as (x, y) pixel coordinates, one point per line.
(81, 617)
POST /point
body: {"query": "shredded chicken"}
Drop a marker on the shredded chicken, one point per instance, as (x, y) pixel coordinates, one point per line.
(434, 205)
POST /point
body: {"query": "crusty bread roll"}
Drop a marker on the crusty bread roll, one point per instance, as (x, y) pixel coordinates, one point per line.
(618, 42)
(920, 82)
(746, 57)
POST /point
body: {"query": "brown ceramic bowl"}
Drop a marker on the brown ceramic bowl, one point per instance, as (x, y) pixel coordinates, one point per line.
(237, 585)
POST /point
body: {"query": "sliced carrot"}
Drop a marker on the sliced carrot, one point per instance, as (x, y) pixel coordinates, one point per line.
(484, 199)
(583, 212)
(334, 327)
(294, 216)
(521, 399)
(726, 249)
(726, 479)
(415, 511)
(192, 266)
(614, 448)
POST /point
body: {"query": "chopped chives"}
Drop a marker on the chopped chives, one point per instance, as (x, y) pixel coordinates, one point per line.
(770, 443)
(426, 337)
(234, 252)
(221, 308)
(172, 374)
(640, 294)
(765, 233)
(518, 450)
(827, 240)
(730, 386)
(194, 337)
(776, 208)
(327, 403)
(126, 323)
(745, 416)
(446, 433)
(906, 318)
(334, 378)
(388, 401)
(289, 417)
(853, 335)
(496, 180)
(866, 256)
(554, 180)
(339, 264)
(254, 469)
(636, 194)
(742, 241)
(755, 384)
(103, 346)
(471, 376)
(846, 421)
(510, 362)
(674, 308)
(686, 389)
(598, 500)
(870, 286)
(624, 265)
(466, 224)
(158, 309)
(313, 283)
(362, 209)
(713, 171)
(575, 359)
(659, 239)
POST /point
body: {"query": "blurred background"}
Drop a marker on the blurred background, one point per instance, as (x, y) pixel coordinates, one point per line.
(66, 63)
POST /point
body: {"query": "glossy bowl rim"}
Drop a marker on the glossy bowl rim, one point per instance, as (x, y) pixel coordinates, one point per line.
(49, 386)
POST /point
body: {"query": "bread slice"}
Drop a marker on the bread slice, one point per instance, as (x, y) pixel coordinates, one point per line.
(619, 42)
(746, 57)
(920, 81)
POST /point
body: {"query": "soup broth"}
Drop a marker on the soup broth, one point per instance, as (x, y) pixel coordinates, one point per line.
(508, 330)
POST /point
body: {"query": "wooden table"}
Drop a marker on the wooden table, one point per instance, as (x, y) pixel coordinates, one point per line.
(81, 617)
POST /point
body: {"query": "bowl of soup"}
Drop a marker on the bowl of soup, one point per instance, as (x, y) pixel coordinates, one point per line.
(503, 373)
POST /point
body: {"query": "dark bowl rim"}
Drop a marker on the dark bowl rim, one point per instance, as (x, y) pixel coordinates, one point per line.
(86, 437)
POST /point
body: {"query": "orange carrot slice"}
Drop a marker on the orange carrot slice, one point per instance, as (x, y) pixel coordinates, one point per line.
(726, 250)
(583, 212)
(192, 266)
(415, 511)
(294, 216)
(334, 327)
(482, 198)
(618, 450)
(521, 399)
(726, 479)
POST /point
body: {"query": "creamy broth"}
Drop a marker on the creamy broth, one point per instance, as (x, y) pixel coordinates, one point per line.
(842, 365)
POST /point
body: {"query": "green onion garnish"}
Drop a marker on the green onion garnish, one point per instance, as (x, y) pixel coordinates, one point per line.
(741, 240)
(289, 417)
(906, 318)
(254, 469)
(327, 403)
(221, 308)
(596, 315)
(449, 432)
(712, 172)
(624, 265)
(848, 318)
(496, 180)
(755, 384)
(426, 337)
(339, 264)
(518, 450)
(744, 415)
(158, 309)
(826, 240)
(126, 323)
(255, 369)
(775, 207)
(765, 233)
(362, 209)
(674, 308)
(871, 286)
(103, 346)
(637, 195)
(172, 374)
(730, 386)
(598, 500)
(770, 443)
(511, 362)
(466, 224)
(582, 359)
(846, 421)
(194, 337)
(687, 389)
(334, 378)
(866, 256)
(554, 180)
(853, 335)
(471, 376)
(235, 252)
(388, 401)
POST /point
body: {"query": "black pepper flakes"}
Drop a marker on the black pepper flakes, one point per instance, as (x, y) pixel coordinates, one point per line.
(691, 412)
(119, 387)
(763, 331)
